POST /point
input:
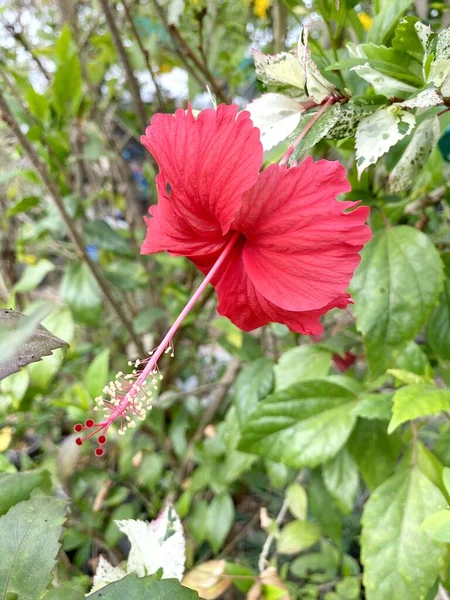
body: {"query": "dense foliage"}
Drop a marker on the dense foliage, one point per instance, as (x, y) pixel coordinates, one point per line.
(281, 466)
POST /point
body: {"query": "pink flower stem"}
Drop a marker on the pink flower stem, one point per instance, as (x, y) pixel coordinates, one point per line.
(298, 139)
(122, 407)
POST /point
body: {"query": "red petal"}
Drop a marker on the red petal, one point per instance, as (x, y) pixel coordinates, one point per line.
(166, 230)
(241, 302)
(208, 162)
(301, 246)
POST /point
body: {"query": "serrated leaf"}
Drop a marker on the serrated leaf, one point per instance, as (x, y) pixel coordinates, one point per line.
(407, 376)
(156, 545)
(316, 85)
(319, 130)
(23, 340)
(297, 536)
(253, 384)
(400, 560)
(301, 363)
(417, 400)
(281, 69)
(424, 99)
(415, 156)
(438, 329)
(378, 132)
(30, 533)
(303, 425)
(276, 116)
(105, 573)
(134, 588)
(341, 479)
(395, 288)
(383, 84)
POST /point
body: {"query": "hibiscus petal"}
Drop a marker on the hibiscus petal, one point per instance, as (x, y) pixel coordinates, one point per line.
(208, 163)
(166, 230)
(301, 245)
(240, 301)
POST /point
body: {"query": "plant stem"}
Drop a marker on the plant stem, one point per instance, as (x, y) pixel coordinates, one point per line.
(146, 55)
(183, 50)
(69, 223)
(302, 134)
(132, 81)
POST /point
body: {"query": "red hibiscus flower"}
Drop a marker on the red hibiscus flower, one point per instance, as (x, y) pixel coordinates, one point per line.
(276, 245)
(296, 247)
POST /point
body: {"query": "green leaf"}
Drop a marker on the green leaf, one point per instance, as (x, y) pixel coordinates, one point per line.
(134, 588)
(33, 275)
(23, 340)
(437, 526)
(16, 487)
(341, 479)
(60, 324)
(297, 501)
(374, 406)
(297, 536)
(66, 84)
(304, 425)
(446, 479)
(395, 288)
(407, 377)
(38, 105)
(29, 532)
(23, 205)
(301, 363)
(80, 291)
(415, 156)
(219, 520)
(318, 131)
(378, 132)
(324, 508)
(96, 376)
(375, 452)
(386, 19)
(279, 70)
(101, 235)
(400, 560)
(147, 318)
(411, 35)
(253, 384)
(438, 329)
(417, 400)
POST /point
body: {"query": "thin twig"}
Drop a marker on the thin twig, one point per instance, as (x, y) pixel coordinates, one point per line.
(70, 225)
(129, 73)
(19, 37)
(184, 50)
(146, 55)
(262, 561)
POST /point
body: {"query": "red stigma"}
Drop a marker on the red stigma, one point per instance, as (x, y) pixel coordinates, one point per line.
(78, 427)
(89, 423)
(99, 452)
(79, 442)
(101, 439)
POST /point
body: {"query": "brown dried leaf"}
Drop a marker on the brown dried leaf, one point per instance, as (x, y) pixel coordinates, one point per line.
(209, 579)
